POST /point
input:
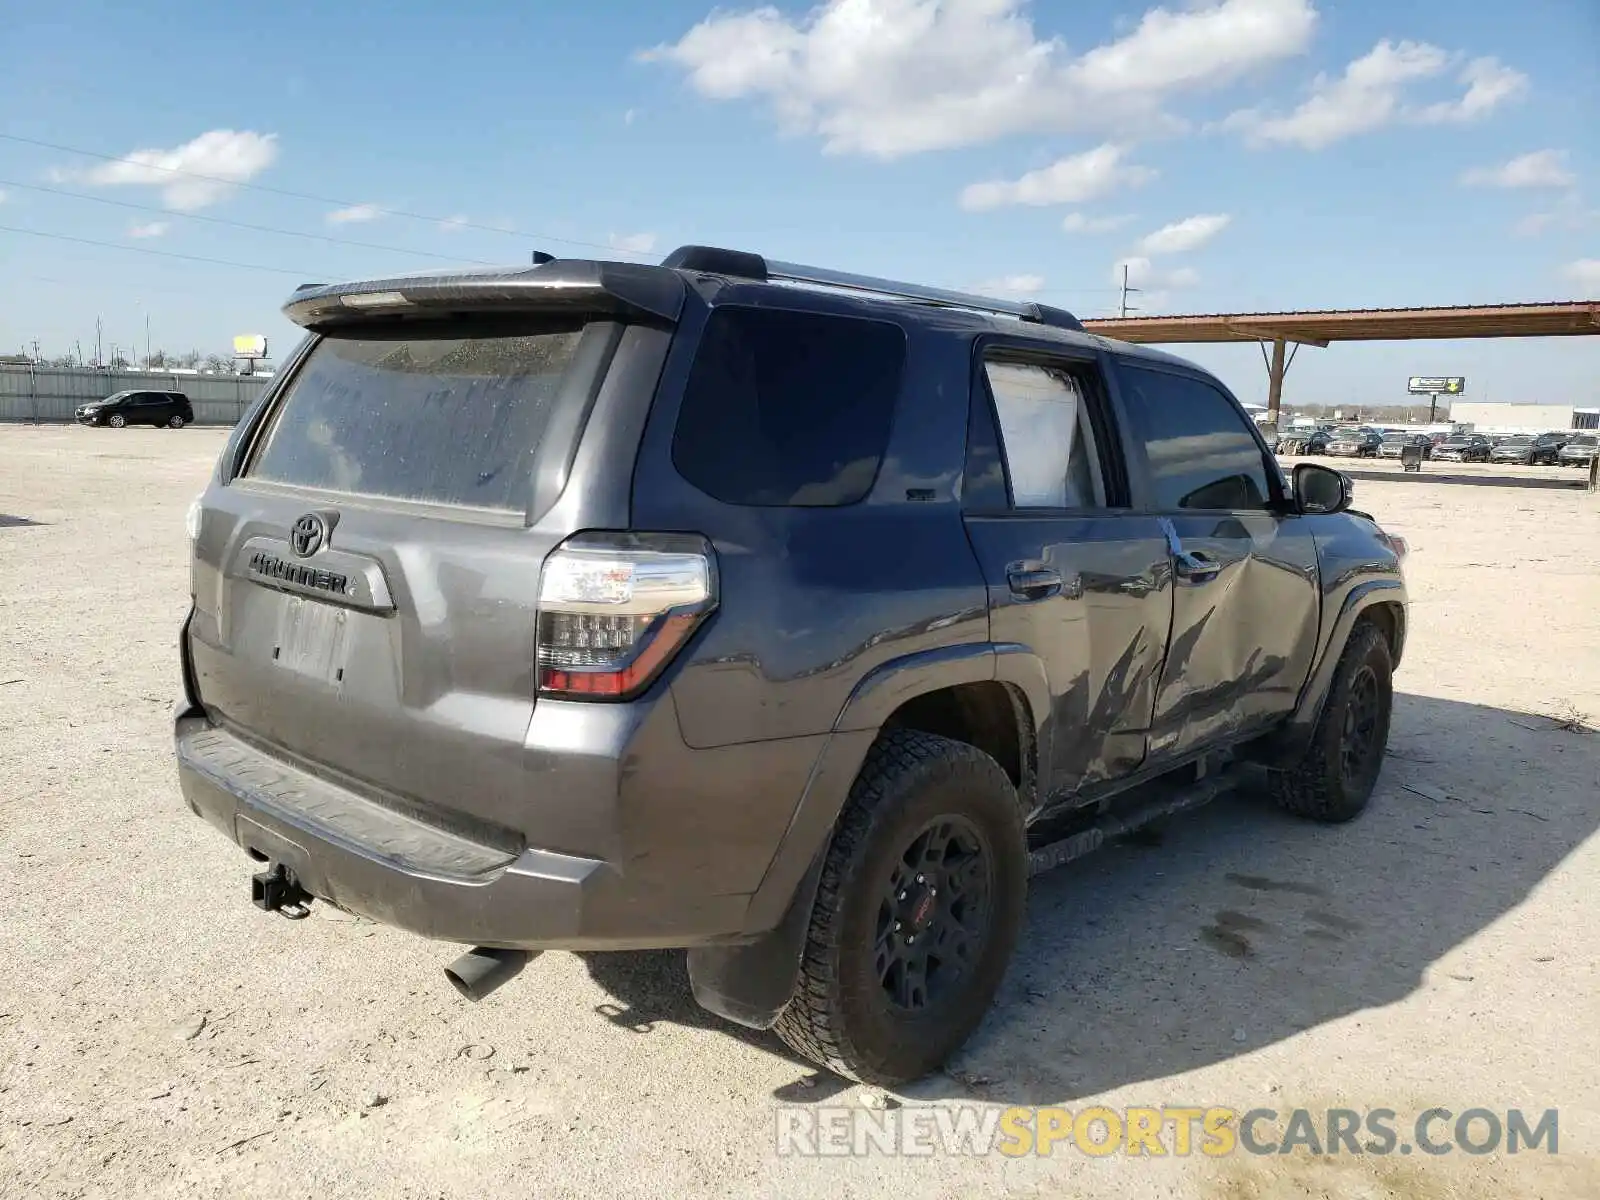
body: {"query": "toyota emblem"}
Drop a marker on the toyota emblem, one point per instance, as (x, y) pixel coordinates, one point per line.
(308, 535)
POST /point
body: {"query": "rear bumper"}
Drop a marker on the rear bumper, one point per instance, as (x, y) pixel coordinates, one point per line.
(373, 860)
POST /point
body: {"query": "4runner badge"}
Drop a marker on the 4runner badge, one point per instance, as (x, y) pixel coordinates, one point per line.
(308, 535)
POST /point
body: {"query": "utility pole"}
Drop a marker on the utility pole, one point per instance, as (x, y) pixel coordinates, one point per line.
(147, 339)
(1126, 289)
(35, 349)
(97, 330)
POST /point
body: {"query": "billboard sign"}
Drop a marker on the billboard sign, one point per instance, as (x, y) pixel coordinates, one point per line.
(1436, 385)
(250, 345)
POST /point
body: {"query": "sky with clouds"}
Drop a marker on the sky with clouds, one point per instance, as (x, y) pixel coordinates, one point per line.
(180, 165)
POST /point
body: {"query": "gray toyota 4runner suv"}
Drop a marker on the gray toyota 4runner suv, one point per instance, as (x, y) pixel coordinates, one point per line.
(790, 617)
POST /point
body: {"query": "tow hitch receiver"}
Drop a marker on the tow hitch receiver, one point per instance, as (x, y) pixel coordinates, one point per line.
(275, 890)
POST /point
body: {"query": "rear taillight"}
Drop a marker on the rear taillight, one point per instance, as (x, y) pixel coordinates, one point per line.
(613, 614)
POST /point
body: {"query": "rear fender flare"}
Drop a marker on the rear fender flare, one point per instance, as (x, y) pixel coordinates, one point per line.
(750, 983)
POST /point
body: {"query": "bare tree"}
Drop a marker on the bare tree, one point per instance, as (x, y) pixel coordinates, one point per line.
(218, 364)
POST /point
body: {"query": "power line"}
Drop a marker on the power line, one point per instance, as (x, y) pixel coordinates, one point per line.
(317, 237)
(315, 199)
(219, 262)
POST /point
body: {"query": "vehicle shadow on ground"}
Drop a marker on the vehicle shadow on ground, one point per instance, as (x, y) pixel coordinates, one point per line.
(1237, 927)
(1578, 482)
(8, 521)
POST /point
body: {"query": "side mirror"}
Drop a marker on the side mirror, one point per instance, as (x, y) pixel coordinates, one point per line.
(1320, 489)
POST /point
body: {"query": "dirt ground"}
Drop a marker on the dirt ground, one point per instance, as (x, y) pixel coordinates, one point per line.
(161, 1037)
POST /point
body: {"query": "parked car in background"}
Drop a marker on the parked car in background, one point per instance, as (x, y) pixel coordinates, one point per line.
(1394, 443)
(1306, 443)
(1580, 451)
(1463, 447)
(170, 409)
(1528, 449)
(1351, 441)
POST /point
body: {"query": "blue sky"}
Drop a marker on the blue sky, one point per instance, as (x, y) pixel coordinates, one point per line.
(1239, 155)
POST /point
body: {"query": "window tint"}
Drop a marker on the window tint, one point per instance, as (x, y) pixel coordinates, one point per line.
(1049, 446)
(447, 420)
(788, 408)
(1201, 451)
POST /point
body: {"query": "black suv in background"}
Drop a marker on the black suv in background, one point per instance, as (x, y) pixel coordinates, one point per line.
(1349, 441)
(171, 409)
(1308, 444)
(787, 616)
(1463, 447)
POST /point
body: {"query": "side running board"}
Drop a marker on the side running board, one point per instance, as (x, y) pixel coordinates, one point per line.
(1115, 824)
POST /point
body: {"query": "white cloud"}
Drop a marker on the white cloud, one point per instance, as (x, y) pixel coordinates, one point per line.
(1585, 272)
(1534, 224)
(1145, 275)
(454, 224)
(1569, 214)
(629, 116)
(1012, 286)
(224, 157)
(1197, 47)
(632, 243)
(1489, 84)
(1076, 222)
(886, 78)
(151, 229)
(1540, 169)
(355, 214)
(2, 197)
(1086, 176)
(1366, 97)
(1372, 94)
(1188, 234)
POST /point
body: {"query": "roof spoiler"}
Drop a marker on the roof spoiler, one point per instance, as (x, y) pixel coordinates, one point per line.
(555, 286)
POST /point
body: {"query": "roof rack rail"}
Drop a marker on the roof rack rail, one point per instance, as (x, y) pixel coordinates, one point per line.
(745, 265)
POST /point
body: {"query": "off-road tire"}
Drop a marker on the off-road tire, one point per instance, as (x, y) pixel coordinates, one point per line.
(840, 1015)
(1319, 786)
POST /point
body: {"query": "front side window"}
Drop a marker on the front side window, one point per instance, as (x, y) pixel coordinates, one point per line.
(788, 409)
(1201, 450)
(1047, 436)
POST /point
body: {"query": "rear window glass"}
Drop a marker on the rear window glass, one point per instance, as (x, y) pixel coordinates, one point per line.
(439, 420)
(788, 408)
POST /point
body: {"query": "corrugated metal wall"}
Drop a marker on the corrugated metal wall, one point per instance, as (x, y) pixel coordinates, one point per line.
(40, 395)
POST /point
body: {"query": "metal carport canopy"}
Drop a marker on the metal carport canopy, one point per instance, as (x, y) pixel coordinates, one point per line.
(1563, 318)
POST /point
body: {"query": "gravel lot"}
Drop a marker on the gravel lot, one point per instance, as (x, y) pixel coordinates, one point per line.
(159, 1036)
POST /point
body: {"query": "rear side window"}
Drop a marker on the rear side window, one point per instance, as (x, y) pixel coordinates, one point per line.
(1200, 448)
(447, 420)
(787, 408)
(1049, 441)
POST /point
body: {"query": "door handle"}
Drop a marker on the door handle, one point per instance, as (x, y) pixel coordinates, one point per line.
(1037, 583)
(1194, 566)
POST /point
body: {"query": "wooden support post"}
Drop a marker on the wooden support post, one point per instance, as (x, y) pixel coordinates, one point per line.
(1275, 381)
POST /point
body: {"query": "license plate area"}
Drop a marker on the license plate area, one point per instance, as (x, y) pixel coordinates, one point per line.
(312, 640)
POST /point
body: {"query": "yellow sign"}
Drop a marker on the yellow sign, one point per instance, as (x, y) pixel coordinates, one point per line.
(250, 345)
